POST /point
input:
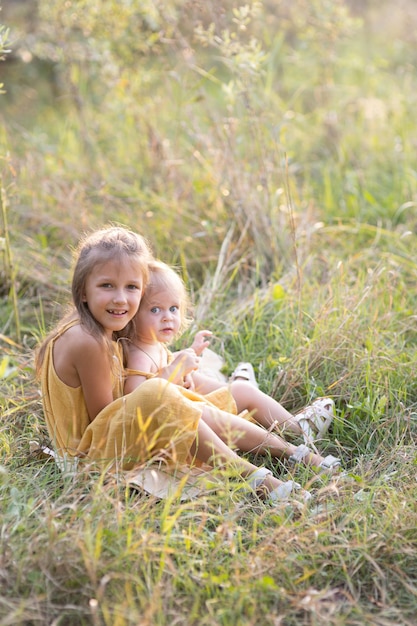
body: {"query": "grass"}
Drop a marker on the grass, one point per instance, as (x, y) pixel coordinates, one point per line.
(93, 550)
(284, 184)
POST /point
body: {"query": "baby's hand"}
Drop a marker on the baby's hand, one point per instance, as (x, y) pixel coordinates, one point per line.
(200, 342)
(188, 382)
(186, 361)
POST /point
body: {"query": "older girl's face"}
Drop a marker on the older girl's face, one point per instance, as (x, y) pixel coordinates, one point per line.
(113, 291)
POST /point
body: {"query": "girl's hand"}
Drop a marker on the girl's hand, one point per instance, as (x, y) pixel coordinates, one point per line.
(200, 342)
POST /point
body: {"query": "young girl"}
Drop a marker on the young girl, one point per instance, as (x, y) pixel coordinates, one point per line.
(162, 317)
(81, 372)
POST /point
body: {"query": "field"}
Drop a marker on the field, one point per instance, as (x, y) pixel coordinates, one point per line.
(269, 151)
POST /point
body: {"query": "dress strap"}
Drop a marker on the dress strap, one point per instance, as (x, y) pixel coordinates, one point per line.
(130, 372)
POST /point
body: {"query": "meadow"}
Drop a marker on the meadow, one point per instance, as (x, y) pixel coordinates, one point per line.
(268, 150)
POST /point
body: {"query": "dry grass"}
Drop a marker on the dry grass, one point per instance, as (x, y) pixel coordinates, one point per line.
(285, 187)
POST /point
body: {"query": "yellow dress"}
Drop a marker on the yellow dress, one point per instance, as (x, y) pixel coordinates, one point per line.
(221, 398)
(157, 420)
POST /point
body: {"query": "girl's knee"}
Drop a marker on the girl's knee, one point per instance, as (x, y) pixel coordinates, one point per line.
(243, 393)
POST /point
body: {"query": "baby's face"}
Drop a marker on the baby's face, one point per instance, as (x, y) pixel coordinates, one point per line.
(159, 317)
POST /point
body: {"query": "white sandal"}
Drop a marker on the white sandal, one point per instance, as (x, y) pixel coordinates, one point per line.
(244, 371)
(329, 464)
(280, 493)
(315, 419)
(66, 463)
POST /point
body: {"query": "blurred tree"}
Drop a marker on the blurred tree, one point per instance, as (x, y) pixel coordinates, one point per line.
(196, 122)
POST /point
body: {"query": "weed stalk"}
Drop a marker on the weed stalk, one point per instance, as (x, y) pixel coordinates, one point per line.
(10, 270)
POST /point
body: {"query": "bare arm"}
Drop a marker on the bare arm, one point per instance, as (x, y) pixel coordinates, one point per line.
(96, 378)
(200, 342)
(142, 362)
(185, 361)
(81, 360)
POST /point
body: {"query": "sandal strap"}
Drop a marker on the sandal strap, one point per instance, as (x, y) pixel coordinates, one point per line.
(66, 463)
(256, 479)
(315, 419)
(283, 491)
(299, 454)
(280, 493)
(246, 372)
(322, 403)
(330, 462)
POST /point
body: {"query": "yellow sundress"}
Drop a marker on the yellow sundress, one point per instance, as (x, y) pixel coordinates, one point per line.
(156, 419)
(221, 398)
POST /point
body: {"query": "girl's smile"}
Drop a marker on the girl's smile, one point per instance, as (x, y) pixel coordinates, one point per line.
(112, 293)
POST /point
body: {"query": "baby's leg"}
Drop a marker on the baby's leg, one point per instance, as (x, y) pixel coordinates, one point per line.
(205, 384)
(265, 410)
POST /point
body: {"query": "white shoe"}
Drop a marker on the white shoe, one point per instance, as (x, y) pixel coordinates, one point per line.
(315, 419)
(244, 371)
(329, 464)
(281, 493)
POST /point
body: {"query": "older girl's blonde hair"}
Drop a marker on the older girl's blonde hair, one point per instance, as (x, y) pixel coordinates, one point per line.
(107, 244)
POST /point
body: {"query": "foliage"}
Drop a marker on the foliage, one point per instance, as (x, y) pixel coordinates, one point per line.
(269, 150)
(4, 39)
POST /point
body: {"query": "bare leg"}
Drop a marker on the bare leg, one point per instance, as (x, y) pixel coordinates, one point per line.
(248, 437)
(205, 384)
(267, 411)
(211, 449)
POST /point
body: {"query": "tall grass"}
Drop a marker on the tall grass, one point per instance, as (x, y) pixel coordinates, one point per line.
(271, 156)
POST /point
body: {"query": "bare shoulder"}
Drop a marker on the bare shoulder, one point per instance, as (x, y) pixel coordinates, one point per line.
(73, 348)
(150, 360)
(137, 357)
(77, 338)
